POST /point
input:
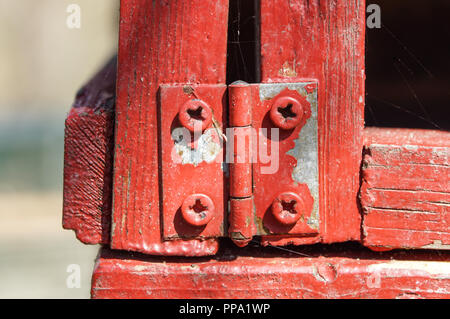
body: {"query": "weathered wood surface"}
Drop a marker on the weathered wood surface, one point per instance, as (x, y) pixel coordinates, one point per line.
(161, 42)
(405, 192)
(88, 159)
(324, 40)
(254, 274)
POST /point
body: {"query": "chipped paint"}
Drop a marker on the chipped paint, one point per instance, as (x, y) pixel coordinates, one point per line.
(288, 70)
(437, 244)
(208, 147)
(261, 229)
(306, 147)
(413, 148)
(433, 268)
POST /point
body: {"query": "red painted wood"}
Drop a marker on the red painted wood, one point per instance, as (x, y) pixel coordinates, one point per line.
(405, 192)
(258, 274)
(161, 42)
(324, 40)
(88, 159)
(402, 136)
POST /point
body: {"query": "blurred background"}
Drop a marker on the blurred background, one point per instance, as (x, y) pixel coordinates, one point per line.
(43, 63)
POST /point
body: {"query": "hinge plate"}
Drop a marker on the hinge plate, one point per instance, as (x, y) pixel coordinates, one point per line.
(297, 168)
(283, 174)
(192, 181)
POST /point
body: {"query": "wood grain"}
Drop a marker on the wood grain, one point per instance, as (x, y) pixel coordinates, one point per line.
(88, 152)
(405, 192)
(324, 40)
(160, 42)
(255, 274)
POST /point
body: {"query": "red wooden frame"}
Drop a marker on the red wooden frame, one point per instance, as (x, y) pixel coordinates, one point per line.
(168, 48)
(136, 225)
(324, 40)
(253, 273)
(160, 43)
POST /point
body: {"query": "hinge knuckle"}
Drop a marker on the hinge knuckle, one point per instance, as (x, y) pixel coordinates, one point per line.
(241, 218)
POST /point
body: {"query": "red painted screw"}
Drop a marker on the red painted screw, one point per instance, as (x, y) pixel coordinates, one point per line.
(197, 209)
(286, 112)
(287, 208)
(195, 115)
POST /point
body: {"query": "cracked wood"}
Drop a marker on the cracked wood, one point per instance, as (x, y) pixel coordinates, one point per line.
(88, 152)
(405, 192)
(252, 273)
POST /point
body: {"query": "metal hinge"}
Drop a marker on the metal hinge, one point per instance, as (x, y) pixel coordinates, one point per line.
(253, 175)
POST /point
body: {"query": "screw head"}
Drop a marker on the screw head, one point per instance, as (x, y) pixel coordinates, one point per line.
(195, 115)
(287, 208)
(197, 209)
(286, 112)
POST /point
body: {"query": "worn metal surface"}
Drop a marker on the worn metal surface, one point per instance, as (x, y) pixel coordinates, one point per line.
(202, 173)
(293, 165)
(324, 40)
(293, 158)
